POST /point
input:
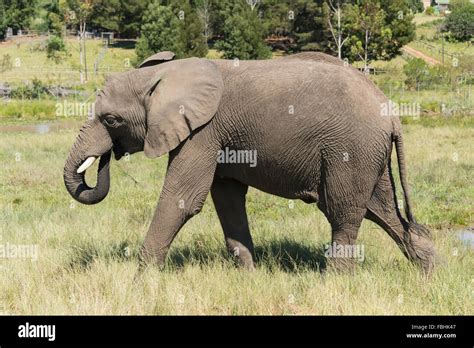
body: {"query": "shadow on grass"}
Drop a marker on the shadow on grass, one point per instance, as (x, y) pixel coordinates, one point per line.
(126, 44)
(279, 255)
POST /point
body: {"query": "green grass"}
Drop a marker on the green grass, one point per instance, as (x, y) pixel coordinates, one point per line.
(34, 62)
(420, 19)
(87, 254)
(430, 42)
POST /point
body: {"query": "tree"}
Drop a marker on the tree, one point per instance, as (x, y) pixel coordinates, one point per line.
(243, 35)
(3, 22)
(277, 17)
(78, 12)
(131, 17)
(16, 14)
(309, 26)
(204, 9)
(416, 6)
(399, 20)
(106, 15)
(55, 47)
(460, 22)
(175, 27)
(336, 24)
(159, 29)
(191, 40)
(123, 17)
(416, 71)
(367, 20)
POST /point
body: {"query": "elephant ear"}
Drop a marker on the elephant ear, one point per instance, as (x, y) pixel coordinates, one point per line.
(157, 58)
(183, 96)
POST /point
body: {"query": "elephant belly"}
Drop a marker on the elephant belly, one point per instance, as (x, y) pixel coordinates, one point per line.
(291, 179)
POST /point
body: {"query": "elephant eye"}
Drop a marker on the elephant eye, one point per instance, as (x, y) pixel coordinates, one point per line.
(111, 121)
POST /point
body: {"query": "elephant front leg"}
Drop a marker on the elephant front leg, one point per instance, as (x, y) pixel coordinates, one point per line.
(229, 199)
(184, 192)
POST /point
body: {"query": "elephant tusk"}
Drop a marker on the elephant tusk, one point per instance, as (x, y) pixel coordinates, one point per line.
(88, 162)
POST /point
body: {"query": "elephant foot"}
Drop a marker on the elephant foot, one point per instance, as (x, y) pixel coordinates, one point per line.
(149, 258)
(246, 263)
(343, 257)
(340, 265)
(243, 256)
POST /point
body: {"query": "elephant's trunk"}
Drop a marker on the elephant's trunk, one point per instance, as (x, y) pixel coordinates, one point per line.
(74, 180)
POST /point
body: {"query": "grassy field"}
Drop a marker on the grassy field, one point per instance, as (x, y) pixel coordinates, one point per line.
(87, 254)
(30, 61)
(430, 42)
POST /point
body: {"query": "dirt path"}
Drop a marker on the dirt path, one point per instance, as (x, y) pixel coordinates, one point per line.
(415, 53)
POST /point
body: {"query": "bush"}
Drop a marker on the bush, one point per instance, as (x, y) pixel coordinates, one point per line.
(421, 76)
(460, 22)
(55, 46)
(243, 36)
(429, 11)
(171, 28)
(6, 63)
(34, 90)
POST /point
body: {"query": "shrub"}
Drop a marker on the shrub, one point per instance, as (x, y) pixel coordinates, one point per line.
(416, 71)
(460, 22)
(429, 11)
(419, 75)
(6, 63)
(243, 36)
(34, 90)
(55, 46)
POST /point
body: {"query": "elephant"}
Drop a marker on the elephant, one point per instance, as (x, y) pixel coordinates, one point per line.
(303, 127)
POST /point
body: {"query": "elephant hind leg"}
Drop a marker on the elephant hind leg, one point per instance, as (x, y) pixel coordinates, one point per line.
(229, 199)
(413, 239)
(345, 209)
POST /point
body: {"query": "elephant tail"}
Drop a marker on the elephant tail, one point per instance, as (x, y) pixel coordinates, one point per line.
(398, 139)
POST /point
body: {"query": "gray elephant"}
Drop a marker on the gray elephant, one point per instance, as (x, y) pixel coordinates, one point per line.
(302, 127)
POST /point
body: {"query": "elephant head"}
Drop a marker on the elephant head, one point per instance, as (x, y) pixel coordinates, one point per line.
(152, 108)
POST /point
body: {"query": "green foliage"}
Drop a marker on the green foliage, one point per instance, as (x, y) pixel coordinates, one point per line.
(35, 90)
(416, 71)
(243, 35)
(106, 15)
(48, 16)
(376, 29)
(3, 22)
(416, 6)
(171, 28)
(121, 16)
(460, 22)
(399, 20)
(55, 47)
(419, 75)
(6, 63)
(160, 27)
(430, 11)
(276, 17)
(190, 40)
(367, 19)
(16, 14)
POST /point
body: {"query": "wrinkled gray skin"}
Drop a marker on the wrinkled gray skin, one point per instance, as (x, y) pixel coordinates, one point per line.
(316, 126)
